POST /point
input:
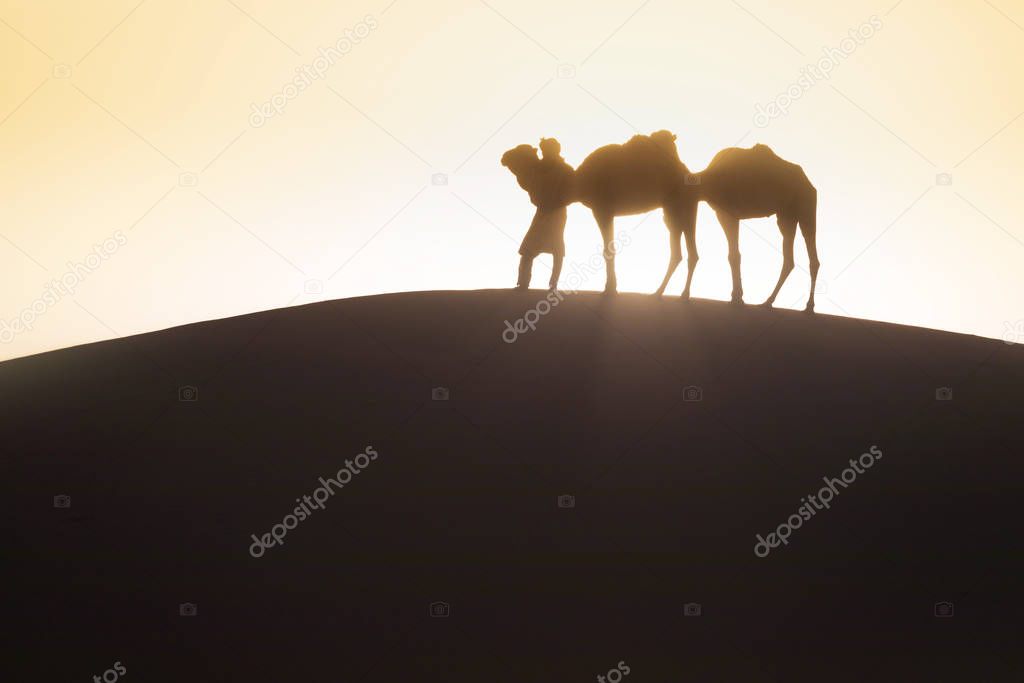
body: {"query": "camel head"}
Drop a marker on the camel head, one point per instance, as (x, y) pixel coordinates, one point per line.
(520, 160)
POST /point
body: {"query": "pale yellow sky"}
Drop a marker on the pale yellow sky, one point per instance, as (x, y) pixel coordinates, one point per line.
(131, 125)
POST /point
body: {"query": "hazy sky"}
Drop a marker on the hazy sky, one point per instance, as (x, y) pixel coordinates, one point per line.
(137, 174)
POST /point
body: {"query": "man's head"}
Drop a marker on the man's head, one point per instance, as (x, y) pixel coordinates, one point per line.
(550, 147)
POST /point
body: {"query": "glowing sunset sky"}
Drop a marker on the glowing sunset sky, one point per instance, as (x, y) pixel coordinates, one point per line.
(132, 124)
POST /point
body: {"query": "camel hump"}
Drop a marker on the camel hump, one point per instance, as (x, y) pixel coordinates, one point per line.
(601, 158)
(661, 138)
(758, 151)
(659, 147)
(757, 156)
(766, 155)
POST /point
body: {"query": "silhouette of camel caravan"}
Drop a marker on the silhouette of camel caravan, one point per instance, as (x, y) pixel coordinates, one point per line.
(646, 173)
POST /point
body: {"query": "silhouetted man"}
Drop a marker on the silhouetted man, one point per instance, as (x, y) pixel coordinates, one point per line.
(549, 191)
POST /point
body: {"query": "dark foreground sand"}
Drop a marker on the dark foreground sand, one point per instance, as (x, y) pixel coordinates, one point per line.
(461, 504)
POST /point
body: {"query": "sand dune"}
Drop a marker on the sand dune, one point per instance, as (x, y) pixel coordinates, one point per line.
(461, 506)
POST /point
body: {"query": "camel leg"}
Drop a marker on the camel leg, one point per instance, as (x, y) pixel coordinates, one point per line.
(675, 234)
(787, 226)
(731, 226)
(691, 259)
(556, 270)
(525, 271)
(683, 217)
(809, 228)
(607, 224)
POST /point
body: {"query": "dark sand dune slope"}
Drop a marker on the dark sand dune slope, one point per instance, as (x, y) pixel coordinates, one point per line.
(461, 503)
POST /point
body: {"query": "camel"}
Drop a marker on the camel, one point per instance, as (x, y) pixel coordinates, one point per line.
(756, 183)
(621, 180)
(646, 173)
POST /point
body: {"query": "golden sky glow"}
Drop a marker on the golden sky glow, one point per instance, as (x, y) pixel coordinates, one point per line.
(134, 123)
